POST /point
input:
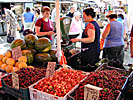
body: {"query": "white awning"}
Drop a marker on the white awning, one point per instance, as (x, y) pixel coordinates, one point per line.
(53, 1)
(19, 1)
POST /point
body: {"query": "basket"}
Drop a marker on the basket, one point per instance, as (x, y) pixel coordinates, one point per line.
(129, 81)
(22, 93)
(39, 95)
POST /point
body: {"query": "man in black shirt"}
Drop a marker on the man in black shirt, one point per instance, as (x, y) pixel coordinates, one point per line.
(70, 14)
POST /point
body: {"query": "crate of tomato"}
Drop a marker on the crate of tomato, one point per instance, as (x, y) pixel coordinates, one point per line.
(27, 76)
(57, 87)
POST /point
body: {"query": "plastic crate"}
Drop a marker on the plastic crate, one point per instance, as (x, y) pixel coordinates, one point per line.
(39, 95)
(71, 97)
(22, 93)
(106, 67)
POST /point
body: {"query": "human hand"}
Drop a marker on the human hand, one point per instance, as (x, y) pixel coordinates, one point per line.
(75, 40)
(131, 55)
(51, 33)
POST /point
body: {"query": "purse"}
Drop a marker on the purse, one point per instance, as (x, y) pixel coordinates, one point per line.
(9, 38)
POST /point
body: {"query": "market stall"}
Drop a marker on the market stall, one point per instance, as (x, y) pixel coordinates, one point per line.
(32, 72)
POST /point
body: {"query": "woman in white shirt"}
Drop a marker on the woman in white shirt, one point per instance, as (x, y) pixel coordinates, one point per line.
(76, 25)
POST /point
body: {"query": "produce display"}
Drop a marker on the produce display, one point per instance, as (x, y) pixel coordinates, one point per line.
(8, 64)
(36, 50)
(110, 80)
(27, 76)
(61, 82)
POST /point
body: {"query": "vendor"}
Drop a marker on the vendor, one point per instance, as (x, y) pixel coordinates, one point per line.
(90, 39)
(44, 26)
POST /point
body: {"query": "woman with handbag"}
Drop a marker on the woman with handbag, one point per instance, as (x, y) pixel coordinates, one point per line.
(11, 25)
(44, 26)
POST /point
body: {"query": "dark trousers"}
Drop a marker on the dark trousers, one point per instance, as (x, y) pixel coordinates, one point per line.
(114, 53)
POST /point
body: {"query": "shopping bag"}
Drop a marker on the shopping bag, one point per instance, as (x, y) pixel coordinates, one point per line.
(9, 38)
(63, 59)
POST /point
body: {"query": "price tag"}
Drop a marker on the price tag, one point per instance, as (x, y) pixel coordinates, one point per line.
(15, 80)
(16, 53)
(50, 69)
(91, 92)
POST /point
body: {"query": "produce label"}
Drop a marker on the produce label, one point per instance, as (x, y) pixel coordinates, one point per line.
(15, 80)
(50, 69)
(91, 92)
(16, 53)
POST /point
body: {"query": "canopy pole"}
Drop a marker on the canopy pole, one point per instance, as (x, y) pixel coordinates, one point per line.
(59, 53)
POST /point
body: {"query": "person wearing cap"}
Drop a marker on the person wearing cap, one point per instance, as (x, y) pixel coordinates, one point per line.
(113, 39)
(76, 25)
(27, 19)
(90, 41)
(44, 26)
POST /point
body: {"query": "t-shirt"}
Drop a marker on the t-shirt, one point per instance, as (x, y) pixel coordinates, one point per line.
(131, 34)
(46, 26)
(28, 17)
(70, 14)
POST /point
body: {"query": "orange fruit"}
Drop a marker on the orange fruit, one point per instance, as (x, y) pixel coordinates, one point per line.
(3, 66)
(16, 64)
(30, 66)
(10, 61)
(15, 69)
(22, 59)
(22, 65)
(9, 68)
(4, 59)
(1, 57)
(8, 54)
(1, 63)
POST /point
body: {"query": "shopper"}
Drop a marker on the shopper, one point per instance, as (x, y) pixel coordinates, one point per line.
(37, 16)
(71, 13)
(11, 24)
(121, 20)
(27, 19)
(114, 41)
(90, 39)
(53, 15)
(44, 26)
(131, 42)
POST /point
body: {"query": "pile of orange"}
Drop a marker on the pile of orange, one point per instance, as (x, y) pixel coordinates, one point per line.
(8, 64)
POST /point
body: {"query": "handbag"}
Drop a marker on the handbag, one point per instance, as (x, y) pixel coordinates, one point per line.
(9, 38)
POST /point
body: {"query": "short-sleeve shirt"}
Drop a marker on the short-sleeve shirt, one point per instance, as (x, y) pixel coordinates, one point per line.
(131, 34)
(47, 26)
(89, 26)
(28, 17)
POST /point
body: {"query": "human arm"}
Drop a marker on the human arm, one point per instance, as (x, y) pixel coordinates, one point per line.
(8, 28)
(89, 39)
(38, 33)
(106, 31)
(23, 19)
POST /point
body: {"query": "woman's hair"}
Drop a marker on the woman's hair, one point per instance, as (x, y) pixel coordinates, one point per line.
(121, 16)
(37, 11)
(27, 9)
(44, 8)
(90, 11)
(112, 16)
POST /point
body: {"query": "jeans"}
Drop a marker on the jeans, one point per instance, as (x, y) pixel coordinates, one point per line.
(114, 53)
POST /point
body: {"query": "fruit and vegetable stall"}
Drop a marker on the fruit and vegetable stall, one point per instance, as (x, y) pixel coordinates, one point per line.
(30, 71)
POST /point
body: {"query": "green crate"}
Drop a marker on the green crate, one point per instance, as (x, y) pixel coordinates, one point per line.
(22, 93)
